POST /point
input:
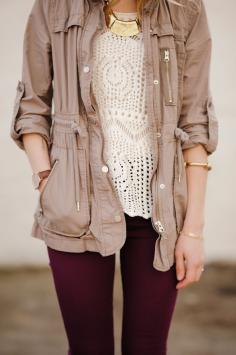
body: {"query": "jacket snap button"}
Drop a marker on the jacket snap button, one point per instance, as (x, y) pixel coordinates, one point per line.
(162, 186)
(156, 82)
(117, 218)
(158, 134)
(105, 168)
(86, 69)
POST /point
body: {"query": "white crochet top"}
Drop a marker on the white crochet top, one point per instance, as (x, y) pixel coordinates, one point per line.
(118, 84)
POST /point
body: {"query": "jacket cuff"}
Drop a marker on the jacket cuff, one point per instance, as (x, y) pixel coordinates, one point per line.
(207, 134)
(27, 124)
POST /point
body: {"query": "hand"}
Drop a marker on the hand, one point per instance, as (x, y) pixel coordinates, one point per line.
(42, 185)
(189, 255)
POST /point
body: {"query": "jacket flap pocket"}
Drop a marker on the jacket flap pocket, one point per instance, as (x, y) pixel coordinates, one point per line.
(165, 34)
(162, 29)
(64, 23)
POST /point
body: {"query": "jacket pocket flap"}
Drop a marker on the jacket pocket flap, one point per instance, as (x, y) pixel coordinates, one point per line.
(63, 24)
(164, 29)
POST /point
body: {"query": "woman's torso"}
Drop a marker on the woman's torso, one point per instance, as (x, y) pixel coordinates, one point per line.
(119, 85)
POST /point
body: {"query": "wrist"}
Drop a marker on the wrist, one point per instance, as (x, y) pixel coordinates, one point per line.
(42, 181)
(195, 217)
(37, 178)
(194, 227)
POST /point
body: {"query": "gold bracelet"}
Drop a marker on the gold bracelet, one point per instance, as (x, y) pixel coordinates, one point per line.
(191, 235)
(205, 165)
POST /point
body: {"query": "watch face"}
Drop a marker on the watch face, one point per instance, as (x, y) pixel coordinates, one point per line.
(36, 180)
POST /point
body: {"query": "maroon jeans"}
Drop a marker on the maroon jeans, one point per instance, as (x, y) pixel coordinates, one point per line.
(84, 287)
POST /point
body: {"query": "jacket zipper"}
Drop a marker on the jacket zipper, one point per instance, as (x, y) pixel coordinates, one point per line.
(157, 225)
(166, 60)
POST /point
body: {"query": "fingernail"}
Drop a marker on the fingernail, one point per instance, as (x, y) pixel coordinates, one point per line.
(179, 277)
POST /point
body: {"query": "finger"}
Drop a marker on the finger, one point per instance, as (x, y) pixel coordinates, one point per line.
(199, 273)
(180, 266)
(191, 272)
(190, 275)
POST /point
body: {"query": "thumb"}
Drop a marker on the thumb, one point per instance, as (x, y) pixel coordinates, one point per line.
(180, 266)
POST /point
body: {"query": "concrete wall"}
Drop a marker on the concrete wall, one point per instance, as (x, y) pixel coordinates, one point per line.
(18, 199)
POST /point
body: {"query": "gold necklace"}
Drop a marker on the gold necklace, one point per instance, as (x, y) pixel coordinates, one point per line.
(123, 28)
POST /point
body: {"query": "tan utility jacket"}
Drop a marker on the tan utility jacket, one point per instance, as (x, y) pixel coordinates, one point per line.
(79, 208)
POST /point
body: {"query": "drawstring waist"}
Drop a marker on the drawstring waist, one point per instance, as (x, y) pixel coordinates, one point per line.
(71, 125)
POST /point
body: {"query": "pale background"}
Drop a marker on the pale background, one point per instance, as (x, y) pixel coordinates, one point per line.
(18, 199)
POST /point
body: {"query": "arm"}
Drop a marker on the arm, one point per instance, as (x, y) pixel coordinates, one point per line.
(196, 186)
(31, 121)
(37, 152)
(198, 119)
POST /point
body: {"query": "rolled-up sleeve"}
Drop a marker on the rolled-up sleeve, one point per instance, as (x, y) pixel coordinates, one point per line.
(33, 100)
(197, 116)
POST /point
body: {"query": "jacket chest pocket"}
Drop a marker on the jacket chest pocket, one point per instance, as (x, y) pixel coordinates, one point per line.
(168, 69)
(63, 21)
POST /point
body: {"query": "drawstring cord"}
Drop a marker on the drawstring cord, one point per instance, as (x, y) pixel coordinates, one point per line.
(181, 136)
(51, 130)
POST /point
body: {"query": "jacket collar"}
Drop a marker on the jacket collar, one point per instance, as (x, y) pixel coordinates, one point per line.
(148, 4)
(69, 13)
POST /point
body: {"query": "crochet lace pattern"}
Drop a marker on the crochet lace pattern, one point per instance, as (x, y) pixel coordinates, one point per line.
(118, 85)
